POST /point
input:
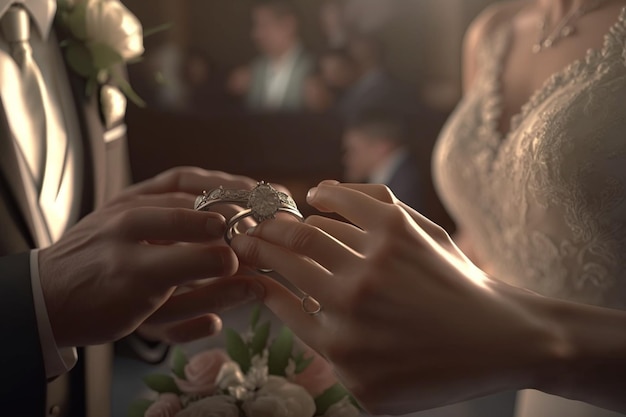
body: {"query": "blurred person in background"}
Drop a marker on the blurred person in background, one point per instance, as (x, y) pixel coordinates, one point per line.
(374, 86)
(377, 151)
(276, 79)
(333, 23)
(335, 76)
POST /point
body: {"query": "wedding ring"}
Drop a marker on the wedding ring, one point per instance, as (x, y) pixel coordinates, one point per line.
(310, 305)
(232, 229)
(261, 203)
(262, 199)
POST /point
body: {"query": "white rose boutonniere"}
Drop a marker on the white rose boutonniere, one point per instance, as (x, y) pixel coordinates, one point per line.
(102, 36)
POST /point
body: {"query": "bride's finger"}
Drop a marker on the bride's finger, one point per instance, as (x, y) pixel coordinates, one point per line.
(309, 241)
(304, 273)
(385, 195)
(347, 233)
(378, 191)
(288, 308)
(364, 211)
(430, 227)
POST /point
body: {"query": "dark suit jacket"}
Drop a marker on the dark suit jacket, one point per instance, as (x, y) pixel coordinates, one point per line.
(106, 171)
(380, 91)
(405, 184)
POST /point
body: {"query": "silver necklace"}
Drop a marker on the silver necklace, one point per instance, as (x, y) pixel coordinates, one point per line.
(564, 28)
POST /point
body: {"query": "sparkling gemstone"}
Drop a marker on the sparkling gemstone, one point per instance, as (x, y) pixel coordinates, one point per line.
(264, 201)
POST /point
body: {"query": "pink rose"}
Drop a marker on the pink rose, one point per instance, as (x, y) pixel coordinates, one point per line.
(168, 405)
(317, 377)
(201, 372)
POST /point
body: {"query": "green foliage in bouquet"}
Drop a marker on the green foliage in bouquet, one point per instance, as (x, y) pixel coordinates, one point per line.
(283, 359)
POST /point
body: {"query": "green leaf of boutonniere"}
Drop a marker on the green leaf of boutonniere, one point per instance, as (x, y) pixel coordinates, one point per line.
(280, 352)
(76, 21)
(104, 57)
(161, 383)
(79, 59)
(179, 361)
(238, 350)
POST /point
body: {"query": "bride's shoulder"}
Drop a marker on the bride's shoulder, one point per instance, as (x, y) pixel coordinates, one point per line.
(489, 20)
(497, 14)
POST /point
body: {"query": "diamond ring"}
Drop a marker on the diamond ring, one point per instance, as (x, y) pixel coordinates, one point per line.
(261, 203)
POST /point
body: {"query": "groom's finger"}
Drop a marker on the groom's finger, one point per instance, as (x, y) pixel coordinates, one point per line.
(216, 297)
(189, 180)
(183, 332)
(288, 308)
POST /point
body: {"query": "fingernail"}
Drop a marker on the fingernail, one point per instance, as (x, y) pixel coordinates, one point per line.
(257, 289)
(330, 182)
(311, 194)
(251, 231)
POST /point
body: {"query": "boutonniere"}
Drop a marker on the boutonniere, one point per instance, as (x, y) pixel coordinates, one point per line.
(102, 37)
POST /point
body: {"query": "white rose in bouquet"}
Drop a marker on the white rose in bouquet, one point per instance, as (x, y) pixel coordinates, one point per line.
(280, 398)
(343, 408)
(109, 22)
(229, 376)
(217, 406)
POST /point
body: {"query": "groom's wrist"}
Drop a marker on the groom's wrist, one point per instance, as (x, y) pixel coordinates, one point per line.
(57, 361)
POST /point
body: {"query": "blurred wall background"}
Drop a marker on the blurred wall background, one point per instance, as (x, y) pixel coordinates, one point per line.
(423, 37)
(422, 41)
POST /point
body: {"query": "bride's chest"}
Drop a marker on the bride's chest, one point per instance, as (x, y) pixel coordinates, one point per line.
(556, 148)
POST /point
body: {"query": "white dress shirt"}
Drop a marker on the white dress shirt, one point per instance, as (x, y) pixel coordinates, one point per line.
(57, 361)
(385, 171)
(277, 78)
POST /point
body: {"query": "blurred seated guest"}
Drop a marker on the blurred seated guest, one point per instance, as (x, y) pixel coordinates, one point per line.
(336, 75)
(276, 79)
(376, 146)
(374, 86)
(196, 71)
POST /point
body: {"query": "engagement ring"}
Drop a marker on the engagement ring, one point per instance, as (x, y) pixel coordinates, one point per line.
(261, 203)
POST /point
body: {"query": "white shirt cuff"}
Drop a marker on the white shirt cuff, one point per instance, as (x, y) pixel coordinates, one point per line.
(57, 361)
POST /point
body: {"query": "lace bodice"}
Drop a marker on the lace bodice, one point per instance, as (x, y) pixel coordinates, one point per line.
(545, 205)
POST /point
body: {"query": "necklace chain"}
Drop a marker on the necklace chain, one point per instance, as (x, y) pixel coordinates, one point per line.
(564, 28)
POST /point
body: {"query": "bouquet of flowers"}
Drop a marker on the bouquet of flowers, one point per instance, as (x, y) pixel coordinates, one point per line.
(253, 377)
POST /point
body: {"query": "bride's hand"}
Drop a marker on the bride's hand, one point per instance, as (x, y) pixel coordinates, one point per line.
(408, 322)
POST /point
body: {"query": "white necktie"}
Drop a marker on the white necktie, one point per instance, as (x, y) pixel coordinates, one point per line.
(32, 139)
(41, 136)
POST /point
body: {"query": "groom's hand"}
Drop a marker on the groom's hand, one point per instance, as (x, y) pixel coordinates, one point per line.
(120, 264)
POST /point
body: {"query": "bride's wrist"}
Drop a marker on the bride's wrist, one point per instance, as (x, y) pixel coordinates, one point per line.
(590, 362)
(546, 348)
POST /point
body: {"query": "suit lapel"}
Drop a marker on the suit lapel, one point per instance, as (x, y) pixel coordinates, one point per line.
(92, 132)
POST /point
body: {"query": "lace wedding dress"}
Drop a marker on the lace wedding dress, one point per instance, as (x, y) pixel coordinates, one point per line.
(544, 205)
